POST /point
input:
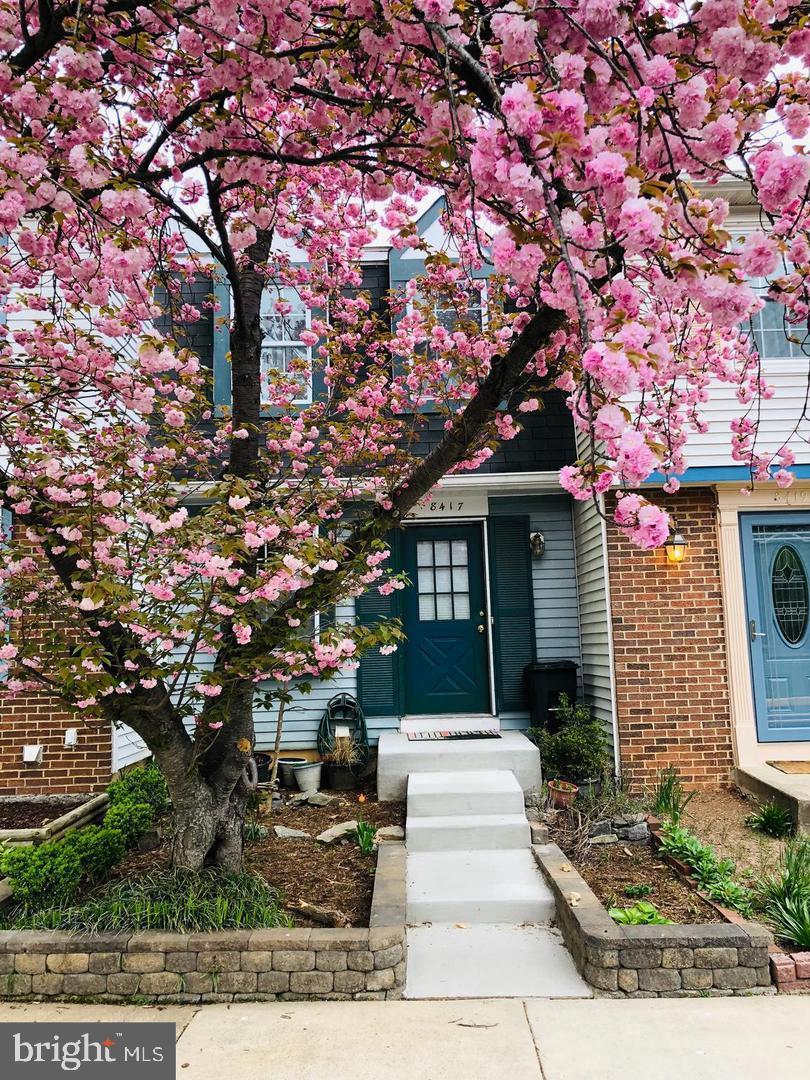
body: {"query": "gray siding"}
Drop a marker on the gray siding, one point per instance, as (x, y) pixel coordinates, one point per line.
(597, 672)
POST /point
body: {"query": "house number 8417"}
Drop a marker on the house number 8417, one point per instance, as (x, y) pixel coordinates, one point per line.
(451, 505)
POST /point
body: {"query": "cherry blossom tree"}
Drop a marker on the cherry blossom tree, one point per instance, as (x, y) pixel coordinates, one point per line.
(169, 554)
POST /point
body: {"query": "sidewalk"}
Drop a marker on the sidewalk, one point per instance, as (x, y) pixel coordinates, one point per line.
(685, 1039)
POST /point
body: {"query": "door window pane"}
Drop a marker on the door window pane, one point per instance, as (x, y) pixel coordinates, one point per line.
(789, 590)
(443, 582)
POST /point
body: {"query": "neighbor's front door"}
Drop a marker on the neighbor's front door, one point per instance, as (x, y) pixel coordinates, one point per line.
(776, 554)
(446, 657)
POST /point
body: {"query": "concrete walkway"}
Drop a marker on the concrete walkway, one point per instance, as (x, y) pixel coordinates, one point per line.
(698, 1038)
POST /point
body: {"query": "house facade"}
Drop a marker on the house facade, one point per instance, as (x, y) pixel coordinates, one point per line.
(702, 663)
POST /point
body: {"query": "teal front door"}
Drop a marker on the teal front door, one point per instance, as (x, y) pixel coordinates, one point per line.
(446, 665)
(776, 557)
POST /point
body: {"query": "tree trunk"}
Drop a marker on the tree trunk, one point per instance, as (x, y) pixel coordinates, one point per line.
(208, 827)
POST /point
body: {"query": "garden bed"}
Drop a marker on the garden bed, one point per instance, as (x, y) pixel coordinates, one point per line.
(336, 878)
(687, 960)
(612, 869)
(17, 812)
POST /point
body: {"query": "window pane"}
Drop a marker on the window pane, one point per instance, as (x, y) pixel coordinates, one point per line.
(442, 553)
(427, 610)
(425, 580)
(444, 607)
(462, 605)
(460, 579)
(424, 553)
(459, 552)
(443, 580)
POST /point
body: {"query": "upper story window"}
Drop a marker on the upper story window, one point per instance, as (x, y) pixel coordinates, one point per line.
(774, 337)
(284, 317)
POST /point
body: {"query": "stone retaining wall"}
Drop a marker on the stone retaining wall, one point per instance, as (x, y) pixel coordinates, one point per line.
(710, 959)
(237, 965)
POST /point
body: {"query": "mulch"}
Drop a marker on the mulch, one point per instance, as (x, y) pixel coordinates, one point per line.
(609, 869)
(32, 815)
(335, 877)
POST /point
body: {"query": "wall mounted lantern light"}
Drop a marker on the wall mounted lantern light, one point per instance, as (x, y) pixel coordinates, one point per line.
(537, 545)
(676, 547)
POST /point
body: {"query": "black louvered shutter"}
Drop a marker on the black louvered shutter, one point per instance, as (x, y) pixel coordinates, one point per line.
(197, 336)
(512, 607)
(378, 675)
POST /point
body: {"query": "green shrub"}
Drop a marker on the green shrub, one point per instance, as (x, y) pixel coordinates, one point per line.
(131, 819)
(144, 784)
(177, 900)
(98, 847)
(771, 819)
(41, 876)
(669, 798)
(578, 749)
(641, 914)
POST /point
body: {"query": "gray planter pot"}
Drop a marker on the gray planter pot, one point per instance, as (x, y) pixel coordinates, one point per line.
(308, 777)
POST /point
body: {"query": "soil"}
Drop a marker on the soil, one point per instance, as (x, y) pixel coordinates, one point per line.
(610, 868)
(718, 818)
(32, 815)
(336, 877)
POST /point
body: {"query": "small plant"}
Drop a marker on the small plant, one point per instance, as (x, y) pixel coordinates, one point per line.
(99, 849)
(771, 819)
(345, 752)
(253, 831)
(792, 879)
(578, 749)
(637, 892)
(364, 834)
(789, 919)
(713, 875)
(177, 900)
(670, 800)
(641, 914)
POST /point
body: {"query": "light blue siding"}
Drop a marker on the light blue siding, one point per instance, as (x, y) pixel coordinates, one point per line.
(303, 715)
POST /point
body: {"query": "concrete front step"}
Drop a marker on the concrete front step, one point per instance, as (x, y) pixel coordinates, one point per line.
(398, 758)
(484, 791)
(466, 722)
(477, 887)
(481, 832)
(491, 961)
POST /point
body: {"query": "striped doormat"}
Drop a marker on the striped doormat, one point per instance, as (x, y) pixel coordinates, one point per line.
(794, 767)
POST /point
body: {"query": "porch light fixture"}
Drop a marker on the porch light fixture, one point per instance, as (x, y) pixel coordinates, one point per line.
(676, 547)
(537, 545)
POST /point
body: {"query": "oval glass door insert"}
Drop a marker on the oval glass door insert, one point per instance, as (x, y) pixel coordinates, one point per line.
(790, 596)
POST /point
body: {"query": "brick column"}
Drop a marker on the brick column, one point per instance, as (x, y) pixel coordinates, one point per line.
(672, 693)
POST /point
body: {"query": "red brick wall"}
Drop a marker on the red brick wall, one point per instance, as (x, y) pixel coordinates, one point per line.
(39, 718)
(43, 718)
(670, 659)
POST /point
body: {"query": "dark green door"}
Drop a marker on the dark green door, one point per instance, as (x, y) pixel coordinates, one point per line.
(446, 661)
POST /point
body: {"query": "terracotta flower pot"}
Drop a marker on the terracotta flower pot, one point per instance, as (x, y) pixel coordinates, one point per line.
(562, 794)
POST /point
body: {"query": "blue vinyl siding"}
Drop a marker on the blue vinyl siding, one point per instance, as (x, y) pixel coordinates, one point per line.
(302, 716)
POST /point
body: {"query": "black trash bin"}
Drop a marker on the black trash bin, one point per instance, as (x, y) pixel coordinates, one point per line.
(545, 680)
